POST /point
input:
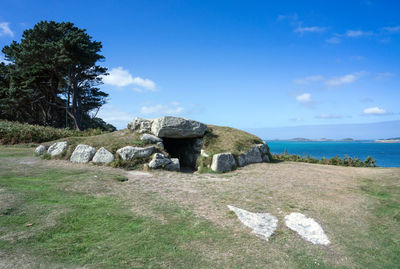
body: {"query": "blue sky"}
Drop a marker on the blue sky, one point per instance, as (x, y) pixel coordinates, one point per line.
(245, 64)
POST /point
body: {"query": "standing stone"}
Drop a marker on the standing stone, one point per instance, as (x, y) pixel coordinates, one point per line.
(82, 154)
(40, 150)
(129, 152)
(253, 156)
(57, 148)
(173, 165)
(151, 138)
(174, 127)
(223, 162)
(103, 156)
(159, 160)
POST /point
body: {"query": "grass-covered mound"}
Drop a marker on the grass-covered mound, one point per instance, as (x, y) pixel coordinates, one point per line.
(217, 140)
(16, 133)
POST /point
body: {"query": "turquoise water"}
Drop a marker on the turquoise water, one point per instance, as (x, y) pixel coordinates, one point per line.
(385, 154)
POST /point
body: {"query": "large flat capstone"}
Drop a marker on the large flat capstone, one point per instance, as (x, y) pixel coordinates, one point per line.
(174, 127)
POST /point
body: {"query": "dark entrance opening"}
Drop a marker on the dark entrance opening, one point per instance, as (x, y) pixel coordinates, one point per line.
(185, 149)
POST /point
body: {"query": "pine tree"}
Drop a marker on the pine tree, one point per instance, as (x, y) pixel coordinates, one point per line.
(53, 71)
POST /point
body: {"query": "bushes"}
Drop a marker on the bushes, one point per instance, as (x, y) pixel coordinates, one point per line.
(346, 161)
(15, 133)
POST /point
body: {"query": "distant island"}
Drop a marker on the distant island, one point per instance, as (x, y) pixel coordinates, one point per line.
(388, 140)
(302, 139)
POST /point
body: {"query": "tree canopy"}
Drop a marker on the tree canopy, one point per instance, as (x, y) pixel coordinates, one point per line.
(53, 71)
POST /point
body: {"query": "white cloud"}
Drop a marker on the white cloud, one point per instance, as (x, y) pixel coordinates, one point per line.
(333, 40)
(328, 116)
(384, 75)
(312, 29)
(110, 114)
(173, 108)
(357, 33)
(346, 79)
(375, 111)
(298, 119)
(306, 80)
(5, 29)
(392, 29)
(120, 77)
(304, 98)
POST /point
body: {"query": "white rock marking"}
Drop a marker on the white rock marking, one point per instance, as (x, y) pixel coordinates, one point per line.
(263, 224)
(307, 228)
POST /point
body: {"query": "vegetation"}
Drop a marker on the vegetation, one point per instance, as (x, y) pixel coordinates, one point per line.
(15, 133)
(52, 72)
(346, 161)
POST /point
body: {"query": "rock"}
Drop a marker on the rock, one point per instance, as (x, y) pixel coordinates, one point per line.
(160, 144)
(263, 148)
(129, 152)
(263, 224)
(40, 150)
(253, 156)
(57, 148)
(223, 162)
(307, 228)
(151, 138)
(174, 127)
(145, 127)
(140, 125)
(241, 160)
(82, 154)
(266, 158)
(204, 153)
(159, 161)
(103, 156)
(174, 165)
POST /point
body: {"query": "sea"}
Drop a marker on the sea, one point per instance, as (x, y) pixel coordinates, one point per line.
(385, 154)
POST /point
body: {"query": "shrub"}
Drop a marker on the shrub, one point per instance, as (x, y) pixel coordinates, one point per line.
(346, 161)
(15, 133)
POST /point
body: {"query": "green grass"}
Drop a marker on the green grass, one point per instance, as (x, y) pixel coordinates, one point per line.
(100, 231)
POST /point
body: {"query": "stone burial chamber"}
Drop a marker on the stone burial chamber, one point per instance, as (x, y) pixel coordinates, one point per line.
(181, 138)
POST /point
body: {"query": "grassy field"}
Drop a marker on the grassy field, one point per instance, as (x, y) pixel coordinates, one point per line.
(55, 214)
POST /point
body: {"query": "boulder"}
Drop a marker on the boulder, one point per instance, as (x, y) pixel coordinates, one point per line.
(140, 125)
(253, 156)
(57, 148)
(40, 150)
(241, 160)
(159, 161)
(129, 152)
(174, 127)
(223, 162)
(160, 144)
(266, 158)
(263, 148)
(151, 138)
(204, 153)
(82, 154)
(174, 165)
(103, 156)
